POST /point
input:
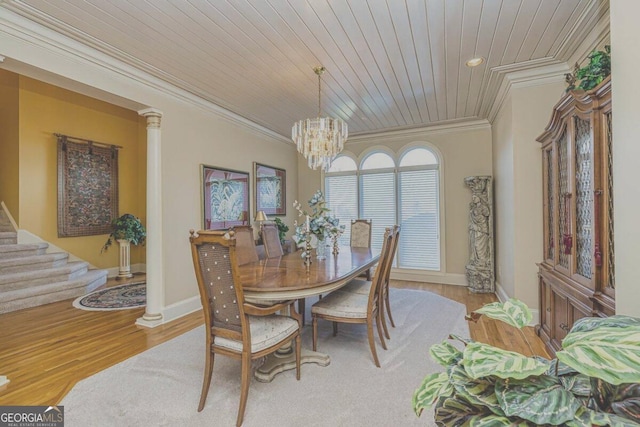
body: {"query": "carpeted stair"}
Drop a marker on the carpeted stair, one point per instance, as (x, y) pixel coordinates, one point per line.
(29, 276)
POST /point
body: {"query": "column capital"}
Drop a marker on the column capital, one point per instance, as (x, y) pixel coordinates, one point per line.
(153, 117)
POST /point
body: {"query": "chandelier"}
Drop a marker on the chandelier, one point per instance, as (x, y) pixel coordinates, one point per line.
(319, 140)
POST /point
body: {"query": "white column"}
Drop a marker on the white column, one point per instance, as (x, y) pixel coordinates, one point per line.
(155, 283)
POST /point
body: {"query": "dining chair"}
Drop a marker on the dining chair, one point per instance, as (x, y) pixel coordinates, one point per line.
(387, 276)
(235, 327)
(271, 240)
(273, 249)
(354, 307)
(361, 237)
(245, 244)
(362, 286)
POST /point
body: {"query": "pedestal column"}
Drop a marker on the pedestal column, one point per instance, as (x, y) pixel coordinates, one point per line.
(155, 282)
(124, 271)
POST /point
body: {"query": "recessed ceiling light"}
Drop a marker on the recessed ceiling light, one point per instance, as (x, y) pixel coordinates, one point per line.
(475, 62)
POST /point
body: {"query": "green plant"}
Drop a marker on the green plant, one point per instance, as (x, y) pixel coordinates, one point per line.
(595, 380)
(127, 227)
(592, 74)
(282, 229)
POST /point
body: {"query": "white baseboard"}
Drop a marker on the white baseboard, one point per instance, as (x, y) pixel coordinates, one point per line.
(502, 297)
(429, 277)
(181, 308)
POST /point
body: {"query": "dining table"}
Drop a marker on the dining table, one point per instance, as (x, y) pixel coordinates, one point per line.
(288, 278)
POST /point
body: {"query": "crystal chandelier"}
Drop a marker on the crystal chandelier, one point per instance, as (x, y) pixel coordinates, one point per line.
(319, 140)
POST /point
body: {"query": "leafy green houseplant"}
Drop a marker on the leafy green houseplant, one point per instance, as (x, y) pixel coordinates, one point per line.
(282, 230)
(592, 74)
(595, 380)
(127, 227)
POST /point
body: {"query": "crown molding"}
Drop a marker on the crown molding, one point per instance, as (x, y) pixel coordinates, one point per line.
(443, 127)
(582, 38)
(552, 72)
(55, 37)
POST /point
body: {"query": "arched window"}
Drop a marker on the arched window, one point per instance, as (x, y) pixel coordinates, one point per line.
(343, 164)
(377, 160)
(418, 157)
(407, 194)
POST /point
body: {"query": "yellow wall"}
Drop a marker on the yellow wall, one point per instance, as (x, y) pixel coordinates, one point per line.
(44, 110)
(9, 141)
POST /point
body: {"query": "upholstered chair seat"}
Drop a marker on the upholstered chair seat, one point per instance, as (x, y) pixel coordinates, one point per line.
(343, 304)
(265, 332)
(357, 286)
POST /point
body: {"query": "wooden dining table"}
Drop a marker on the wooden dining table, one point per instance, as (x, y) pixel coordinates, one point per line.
(287, 277)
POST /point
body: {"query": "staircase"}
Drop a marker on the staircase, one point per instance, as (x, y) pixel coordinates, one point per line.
(29, 276)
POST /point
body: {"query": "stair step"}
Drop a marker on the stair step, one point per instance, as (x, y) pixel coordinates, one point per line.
(8, 237)
(51, 292)
(22, 249)
(69, 271)
(34, 262)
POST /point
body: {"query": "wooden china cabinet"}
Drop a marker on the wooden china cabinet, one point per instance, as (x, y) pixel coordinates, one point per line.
(576, 276)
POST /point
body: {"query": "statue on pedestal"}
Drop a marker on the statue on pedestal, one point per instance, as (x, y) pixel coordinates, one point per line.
(480, 268)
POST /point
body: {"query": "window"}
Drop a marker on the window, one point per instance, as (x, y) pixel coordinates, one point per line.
(407, 194)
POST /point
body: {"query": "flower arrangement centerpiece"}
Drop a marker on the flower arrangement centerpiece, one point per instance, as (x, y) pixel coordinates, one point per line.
(318, 223)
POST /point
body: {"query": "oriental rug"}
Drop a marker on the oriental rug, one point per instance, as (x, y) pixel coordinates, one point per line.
(132, 295)
(161, 387)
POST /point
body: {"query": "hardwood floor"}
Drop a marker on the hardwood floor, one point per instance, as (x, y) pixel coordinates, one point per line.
(46, 350)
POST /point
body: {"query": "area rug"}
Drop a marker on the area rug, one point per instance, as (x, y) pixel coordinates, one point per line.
(132, 295)
(161, 387)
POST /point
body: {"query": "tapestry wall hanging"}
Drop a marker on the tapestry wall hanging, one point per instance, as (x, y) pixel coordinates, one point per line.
(87, 187)
(225, 198)
(270, 189)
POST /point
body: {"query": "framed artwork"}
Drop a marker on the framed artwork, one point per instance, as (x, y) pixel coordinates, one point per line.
(225, 198)
(87, 187)
(270, 189)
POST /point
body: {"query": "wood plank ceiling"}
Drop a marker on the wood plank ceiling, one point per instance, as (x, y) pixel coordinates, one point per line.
(391, 64)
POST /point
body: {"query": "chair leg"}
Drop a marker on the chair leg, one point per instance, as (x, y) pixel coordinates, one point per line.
(384, 321)
(301, 308)
(378, 315)
(206, 382)
(386, 303)
(314, 334)
(335, 328)
(244, 388)
(372, 344)
(298, 356)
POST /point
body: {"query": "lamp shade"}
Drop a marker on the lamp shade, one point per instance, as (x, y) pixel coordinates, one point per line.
(261, 216)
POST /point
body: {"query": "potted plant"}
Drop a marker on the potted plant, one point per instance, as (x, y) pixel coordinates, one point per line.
(126, 230)
(595, 380)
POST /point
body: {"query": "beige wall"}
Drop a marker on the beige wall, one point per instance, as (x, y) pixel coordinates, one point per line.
(502, 150)
(45, 110)
(465, 151)
(518, 171)
(9, 142)
(625, 34)
(191, 137)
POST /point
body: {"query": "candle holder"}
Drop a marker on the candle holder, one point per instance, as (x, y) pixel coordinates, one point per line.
(307, 249)
(336, 248)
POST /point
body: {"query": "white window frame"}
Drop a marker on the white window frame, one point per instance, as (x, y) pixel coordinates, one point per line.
(396, 157)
